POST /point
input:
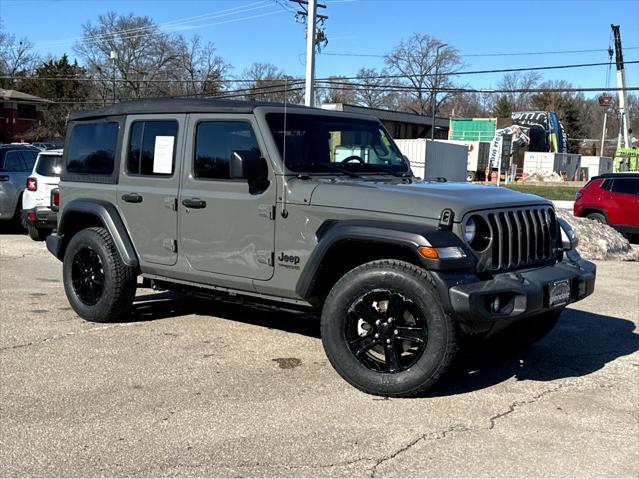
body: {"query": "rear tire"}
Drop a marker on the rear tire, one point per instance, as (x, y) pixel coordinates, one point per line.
(470, 176)
(99, 286)
(416, 340)
(598, 217)
(37, 234)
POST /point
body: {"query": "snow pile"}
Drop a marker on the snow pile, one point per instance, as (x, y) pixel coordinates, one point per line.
(543, 177)
(598, 241)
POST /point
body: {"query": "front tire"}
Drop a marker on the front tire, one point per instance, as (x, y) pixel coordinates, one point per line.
(384, 329)
(99, 286)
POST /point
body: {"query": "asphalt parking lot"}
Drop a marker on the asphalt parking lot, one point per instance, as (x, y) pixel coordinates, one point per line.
(195, 388)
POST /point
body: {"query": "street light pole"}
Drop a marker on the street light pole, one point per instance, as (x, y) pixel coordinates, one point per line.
(113, 55)
(309, 90)
(433, 103)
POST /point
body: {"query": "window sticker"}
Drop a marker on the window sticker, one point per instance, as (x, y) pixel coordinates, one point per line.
(163, 155)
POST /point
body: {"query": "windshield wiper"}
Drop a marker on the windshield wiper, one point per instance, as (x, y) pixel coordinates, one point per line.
(389, 171)
(334, 167)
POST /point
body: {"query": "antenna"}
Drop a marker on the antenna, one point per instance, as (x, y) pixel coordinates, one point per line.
(284, 193)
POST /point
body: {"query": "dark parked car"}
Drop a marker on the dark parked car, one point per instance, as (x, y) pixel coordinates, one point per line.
(613, 199)
(16, 163)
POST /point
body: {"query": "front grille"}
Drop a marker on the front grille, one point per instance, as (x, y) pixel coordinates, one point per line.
(518, 237)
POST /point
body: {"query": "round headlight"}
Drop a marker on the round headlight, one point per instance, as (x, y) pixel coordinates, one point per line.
(470, 229)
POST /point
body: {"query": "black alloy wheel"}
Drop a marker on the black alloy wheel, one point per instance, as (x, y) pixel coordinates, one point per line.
(385, 331)
(87, 274)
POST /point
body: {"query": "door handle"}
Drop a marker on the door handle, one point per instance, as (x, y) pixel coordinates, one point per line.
(194, 203)
(132, 198)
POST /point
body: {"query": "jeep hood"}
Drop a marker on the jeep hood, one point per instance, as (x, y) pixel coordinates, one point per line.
(420, 198)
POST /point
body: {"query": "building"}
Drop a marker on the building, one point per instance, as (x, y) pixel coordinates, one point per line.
(19, 113)
(401, 125)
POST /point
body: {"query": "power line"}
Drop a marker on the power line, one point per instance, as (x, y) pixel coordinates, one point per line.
(341, 80)
(126, 33)
(467, 55)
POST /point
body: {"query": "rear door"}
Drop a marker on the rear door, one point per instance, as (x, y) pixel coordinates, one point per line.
(148, 186)
(228, 229)
(622, 204)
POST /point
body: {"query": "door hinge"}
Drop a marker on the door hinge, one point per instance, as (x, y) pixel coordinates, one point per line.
(267, 211)
(266, 257)
(170, 244)
(171, 203)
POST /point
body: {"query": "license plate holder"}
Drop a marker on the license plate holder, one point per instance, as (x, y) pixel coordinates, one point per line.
(558, 293)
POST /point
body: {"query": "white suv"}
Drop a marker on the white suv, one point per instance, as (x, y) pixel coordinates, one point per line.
(37, 215)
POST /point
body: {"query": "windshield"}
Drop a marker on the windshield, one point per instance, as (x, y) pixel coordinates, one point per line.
(49, 165)
(318, 144)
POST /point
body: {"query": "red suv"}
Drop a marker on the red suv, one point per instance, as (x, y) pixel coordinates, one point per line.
(612, 198)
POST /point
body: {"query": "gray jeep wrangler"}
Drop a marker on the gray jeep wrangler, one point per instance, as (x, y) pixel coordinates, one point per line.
(312, 210)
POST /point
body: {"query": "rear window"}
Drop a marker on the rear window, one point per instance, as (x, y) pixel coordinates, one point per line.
(152, 148)
(92, 148)
(12, 161)
(627, 186)
(49, 165)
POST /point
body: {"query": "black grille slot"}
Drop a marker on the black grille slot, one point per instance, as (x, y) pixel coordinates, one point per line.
(519, 237)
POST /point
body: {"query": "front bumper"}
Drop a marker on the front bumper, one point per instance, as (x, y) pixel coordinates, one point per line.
(40, 217)
(514, 295)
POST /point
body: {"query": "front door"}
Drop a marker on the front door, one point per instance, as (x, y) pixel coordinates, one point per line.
(148, 186)
(226, 226)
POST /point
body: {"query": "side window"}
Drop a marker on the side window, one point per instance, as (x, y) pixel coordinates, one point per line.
(626, 186)
(606, 185)
(13, 161)
(152, 148)
(215, 142)
(92, 148)
(29, 158)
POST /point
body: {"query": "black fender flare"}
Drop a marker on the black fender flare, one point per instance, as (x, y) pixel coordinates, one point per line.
(407, 235)
(108, 215)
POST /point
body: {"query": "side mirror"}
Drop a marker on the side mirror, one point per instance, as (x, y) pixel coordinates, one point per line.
(247, 164)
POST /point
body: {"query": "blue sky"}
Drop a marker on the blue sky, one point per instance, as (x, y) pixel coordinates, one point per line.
(252, 30)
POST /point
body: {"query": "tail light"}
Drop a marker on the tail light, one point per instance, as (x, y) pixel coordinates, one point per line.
(55, 199)
(32, 184)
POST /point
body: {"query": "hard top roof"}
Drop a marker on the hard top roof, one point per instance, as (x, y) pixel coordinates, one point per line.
(180, 105)
(620, 174)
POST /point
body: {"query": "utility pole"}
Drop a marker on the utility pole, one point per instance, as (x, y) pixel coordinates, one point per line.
(314, 38)
(113, 55)
(433, 104)
(623, 115)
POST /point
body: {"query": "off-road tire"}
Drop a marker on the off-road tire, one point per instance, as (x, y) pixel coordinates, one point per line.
(37, 234)
(598, 217)
(413, 283)
(119, 284)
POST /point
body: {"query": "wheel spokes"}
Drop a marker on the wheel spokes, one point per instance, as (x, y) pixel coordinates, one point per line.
(363, 344)
(417, 335)
(392, 357)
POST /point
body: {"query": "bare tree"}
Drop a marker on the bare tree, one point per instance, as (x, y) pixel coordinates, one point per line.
(266, 82)
(417, 60)
(339, 90)
(200, 70)
(144, 59)
(371, 89)
(17, 57)
(519, 81)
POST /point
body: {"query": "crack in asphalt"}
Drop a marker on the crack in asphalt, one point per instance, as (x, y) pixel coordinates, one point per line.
(461, 428)
(433, 436)
(517, 404)
(65, 335)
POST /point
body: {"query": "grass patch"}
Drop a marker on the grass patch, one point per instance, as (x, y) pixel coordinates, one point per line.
(549, 192)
